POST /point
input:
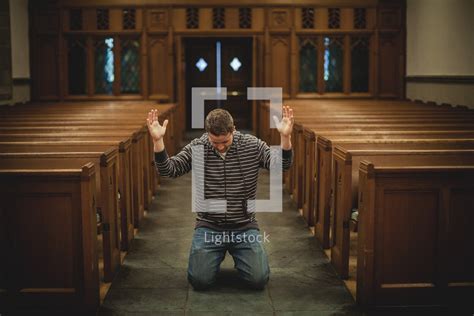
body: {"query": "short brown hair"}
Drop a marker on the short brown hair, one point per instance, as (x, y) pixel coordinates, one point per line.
(219, 122)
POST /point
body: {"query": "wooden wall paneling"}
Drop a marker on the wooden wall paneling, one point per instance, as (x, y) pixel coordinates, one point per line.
(46, 21)
(5, 245)
(402, 53)
(115, 19)
(62, 49)
(170, 65)
(371, 16)
(117, 65)
(298, 13)
(89, 18)
(65, 20)
(260, 69)
(157, 20)
(320, 77)
(258, 19)
(389, 65)
(321, 18)
(280, 63)
(180, 77)
(293, 63)
(346, 83)
(90, 66)
(205, 19)
(158, 70)
(139, 18)
(63, 68)
(143, 65)
(261, 61)
(255, 70)
(372, 64)
(178, 19)
(376, 59)
(347, 18)
(46, 65)
(457, 245)
(267, 57)
(280, 18)
(274, 20)
(232, 18)
(389, 18)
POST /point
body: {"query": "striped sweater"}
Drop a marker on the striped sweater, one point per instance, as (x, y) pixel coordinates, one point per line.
(233, 178)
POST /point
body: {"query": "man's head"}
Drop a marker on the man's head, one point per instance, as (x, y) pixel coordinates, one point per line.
(220, 127)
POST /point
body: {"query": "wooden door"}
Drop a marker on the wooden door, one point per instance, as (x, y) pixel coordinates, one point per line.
(235, 73)
(236, 66)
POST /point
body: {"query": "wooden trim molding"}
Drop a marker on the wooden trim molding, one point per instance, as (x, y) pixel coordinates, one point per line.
(441, 79)
(21, 81)
(210, 3)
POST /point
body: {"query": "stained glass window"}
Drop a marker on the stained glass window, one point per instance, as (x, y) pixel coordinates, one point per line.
(308, 65)
(360, 64)
(104, 66)
(130, 66)
(333, 64)
(77, 65)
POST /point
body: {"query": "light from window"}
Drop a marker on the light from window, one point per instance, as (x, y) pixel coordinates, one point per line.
(109, 66)
(326, 59)
(201, 64)
(235, 64)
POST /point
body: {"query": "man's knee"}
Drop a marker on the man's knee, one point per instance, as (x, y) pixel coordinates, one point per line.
(200, 282)
(258, 280)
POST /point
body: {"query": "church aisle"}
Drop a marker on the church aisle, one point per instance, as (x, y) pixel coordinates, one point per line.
(153, 280)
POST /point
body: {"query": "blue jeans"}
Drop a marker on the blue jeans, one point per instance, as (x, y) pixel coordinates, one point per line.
(208, 250)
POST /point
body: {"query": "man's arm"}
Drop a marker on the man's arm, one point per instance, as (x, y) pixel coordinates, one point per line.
(168, 167)
(266, 159)
(175, 166)
(285, 127)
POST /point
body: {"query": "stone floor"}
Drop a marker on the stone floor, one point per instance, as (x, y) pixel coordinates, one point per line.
(153, 280)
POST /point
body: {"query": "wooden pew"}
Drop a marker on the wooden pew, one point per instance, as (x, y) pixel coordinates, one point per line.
(345, 186)
(106, 195)
(83, 113)
(135, 162)
(307, 151)
(321, 179)
(130, 200)
(80, 118)
(415, 237)
(141, 150)
(304, 137)
(49, 222)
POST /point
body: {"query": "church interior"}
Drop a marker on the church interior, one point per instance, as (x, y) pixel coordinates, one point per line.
(377, 208)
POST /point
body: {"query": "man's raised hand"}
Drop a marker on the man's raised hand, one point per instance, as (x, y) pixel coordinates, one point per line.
(286, 125)
(156, 130)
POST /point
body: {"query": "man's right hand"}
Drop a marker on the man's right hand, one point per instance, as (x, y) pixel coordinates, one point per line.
(156, 130)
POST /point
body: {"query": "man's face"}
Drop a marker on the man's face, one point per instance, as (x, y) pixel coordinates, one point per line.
(221, 142)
